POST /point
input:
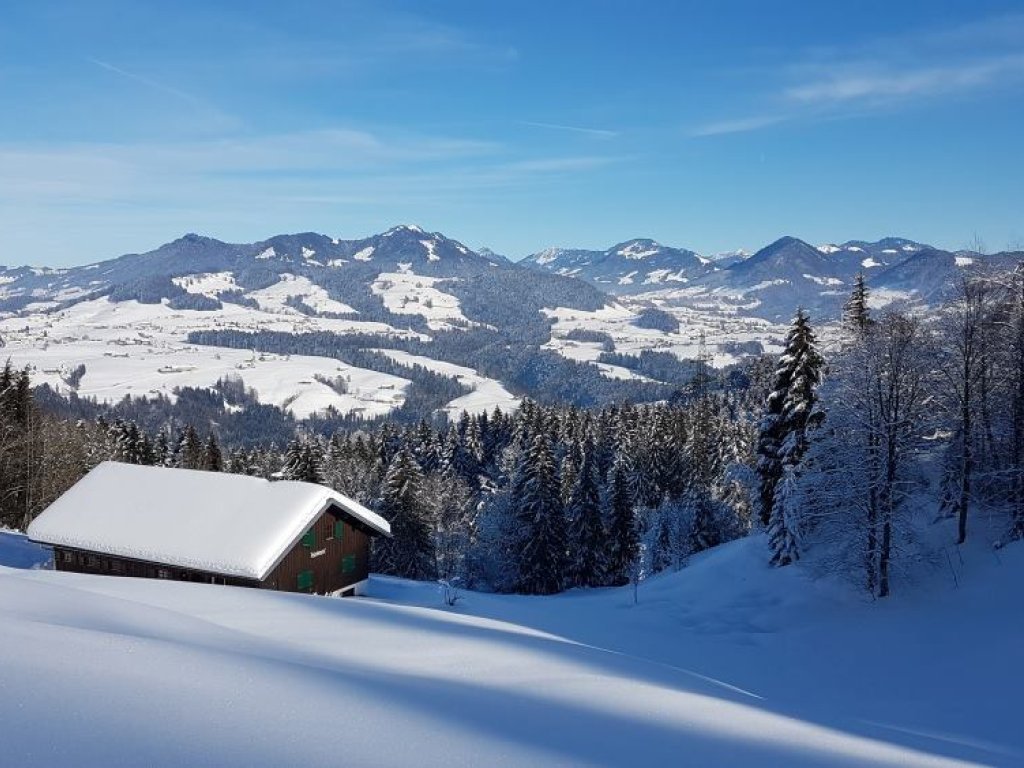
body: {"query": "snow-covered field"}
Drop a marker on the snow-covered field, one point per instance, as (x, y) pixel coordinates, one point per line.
(137, 349)
(721, 330)
(406, 293)
(726, 663)
(487, 394)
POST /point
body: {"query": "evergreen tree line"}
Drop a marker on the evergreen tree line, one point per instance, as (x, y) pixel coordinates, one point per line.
(535, 501)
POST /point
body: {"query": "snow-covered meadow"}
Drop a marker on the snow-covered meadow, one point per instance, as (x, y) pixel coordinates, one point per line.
(727, 662)
(140, 350)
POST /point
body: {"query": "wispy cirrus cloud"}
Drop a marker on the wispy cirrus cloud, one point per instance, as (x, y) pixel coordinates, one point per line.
(829, 82)
(600, 133)
(147, 82)
(739, 125)
(870, 82)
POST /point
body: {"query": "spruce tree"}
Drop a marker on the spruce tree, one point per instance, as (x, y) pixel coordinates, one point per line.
(620, 521)
(800, 355)
(190, 449)
(791, 413)
(586, 530)
(856, 316)
(538, 511)
(213, 460)
(409, 551)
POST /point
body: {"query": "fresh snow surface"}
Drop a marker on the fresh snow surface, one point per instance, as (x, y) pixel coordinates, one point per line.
(547, 256)
(637, 251)
(431, 248)
(828, 248)
(964, 261)
(210, 521)
(823, 280)
(139, 350)
(366, 254)
(870, 262)
(487, 394)
(406, 293)
(664, 275)
(207, 283)
(269, 253)
(273, 297)
(727, 662)
(617, 320)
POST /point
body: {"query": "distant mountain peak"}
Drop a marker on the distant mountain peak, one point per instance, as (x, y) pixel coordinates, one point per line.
(638, 248)
(412, 229)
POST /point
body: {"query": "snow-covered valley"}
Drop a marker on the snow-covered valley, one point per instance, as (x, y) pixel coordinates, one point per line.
(727, 662)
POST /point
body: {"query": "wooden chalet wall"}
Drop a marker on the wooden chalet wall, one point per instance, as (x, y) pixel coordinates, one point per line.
(81, 561)
(331, 561)
(320, 563)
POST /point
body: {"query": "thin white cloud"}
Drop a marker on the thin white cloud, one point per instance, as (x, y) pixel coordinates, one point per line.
(740, 125)
(602, 133)
(887, 73)
(878, 84)
(148, 82)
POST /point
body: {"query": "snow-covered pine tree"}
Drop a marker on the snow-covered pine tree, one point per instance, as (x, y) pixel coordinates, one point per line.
(620, 522)
(303, 460)
(798, 415)
(213, 459)
(789, 409)
(538, 512)
(190, 449)
(409, 551)
(856, 315)
(586, 530)
(782, 535)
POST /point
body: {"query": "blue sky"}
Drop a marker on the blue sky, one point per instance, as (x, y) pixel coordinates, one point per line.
(711, 125)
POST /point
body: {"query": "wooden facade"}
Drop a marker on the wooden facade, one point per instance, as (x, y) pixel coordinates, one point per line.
(332, 556)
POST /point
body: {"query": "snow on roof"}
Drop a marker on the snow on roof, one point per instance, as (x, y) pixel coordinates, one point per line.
(210, 521)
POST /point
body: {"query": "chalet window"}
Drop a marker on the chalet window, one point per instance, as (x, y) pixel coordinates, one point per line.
(163, 573)
(68, 557)
(92, 561)
(309, 539)
(305, 581)
(339, 530)
(348, 563)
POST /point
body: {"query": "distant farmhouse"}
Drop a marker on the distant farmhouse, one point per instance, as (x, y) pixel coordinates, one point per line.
(212, 528)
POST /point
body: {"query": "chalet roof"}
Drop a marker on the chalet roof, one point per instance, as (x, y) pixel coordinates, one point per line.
(210, 521)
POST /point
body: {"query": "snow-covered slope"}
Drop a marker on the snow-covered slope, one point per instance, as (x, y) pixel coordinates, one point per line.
(727, 662)
(136, 349)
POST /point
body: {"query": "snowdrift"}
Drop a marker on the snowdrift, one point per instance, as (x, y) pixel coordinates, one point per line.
(724, 663)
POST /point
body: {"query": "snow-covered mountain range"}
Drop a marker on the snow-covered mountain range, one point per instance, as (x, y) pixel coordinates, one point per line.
(296, 316)
(772, 282)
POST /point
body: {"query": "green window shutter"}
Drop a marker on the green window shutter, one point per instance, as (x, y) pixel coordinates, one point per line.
(305, 580)
(348, 563)
(309, 539)
(339, 530)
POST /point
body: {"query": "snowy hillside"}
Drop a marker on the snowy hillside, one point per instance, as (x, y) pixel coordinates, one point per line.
(129, 348)
(727, 662)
